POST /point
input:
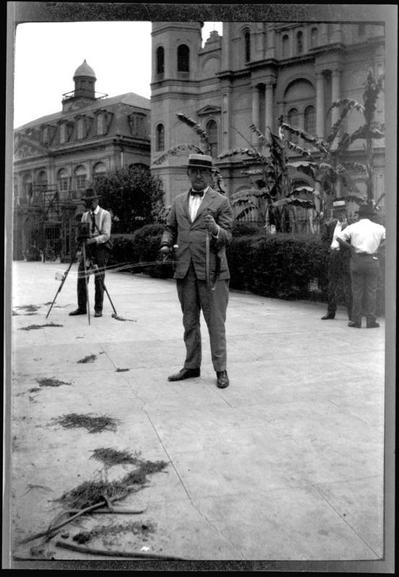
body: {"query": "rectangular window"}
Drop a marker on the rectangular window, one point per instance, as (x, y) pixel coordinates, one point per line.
(62, 133)
(80, 128)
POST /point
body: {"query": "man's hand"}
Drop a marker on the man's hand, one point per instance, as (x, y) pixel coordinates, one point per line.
(90, 240)
(211, 224)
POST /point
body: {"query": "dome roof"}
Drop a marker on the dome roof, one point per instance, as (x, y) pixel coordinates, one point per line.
(84, 70)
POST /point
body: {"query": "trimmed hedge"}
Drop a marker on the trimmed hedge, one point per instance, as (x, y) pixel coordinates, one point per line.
(279, 266)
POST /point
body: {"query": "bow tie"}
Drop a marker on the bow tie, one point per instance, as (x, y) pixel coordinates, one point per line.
(197, 192)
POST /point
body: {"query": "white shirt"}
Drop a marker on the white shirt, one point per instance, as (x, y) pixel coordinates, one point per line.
(365, 235)
(337, 230)
(194, 203)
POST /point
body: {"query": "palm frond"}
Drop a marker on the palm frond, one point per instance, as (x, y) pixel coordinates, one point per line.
(176, 150)
(244, 211)
(194, 125)
(348, 103)
(307, 167)
(298, 149)
(259, 134)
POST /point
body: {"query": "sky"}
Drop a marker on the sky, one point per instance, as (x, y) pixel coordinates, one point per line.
(47, 55)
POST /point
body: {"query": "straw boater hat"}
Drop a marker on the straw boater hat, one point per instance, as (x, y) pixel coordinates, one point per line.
(339, 203)
(199, 160)
(90, 194)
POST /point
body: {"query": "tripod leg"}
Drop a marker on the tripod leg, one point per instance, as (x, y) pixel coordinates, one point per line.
(86, 280)
(105, 288)
(60, 287)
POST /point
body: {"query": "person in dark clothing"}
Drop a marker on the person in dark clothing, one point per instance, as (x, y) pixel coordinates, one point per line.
(338, 262)
(97, 254)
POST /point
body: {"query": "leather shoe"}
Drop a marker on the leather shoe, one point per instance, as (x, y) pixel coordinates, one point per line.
(185, 374)
(372, 325)
(354, 325)
(328, 316)
(222, 379)
(98, 314)
(77, 312)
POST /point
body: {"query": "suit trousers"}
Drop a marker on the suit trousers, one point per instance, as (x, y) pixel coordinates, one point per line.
(98, 255)
(338, 280)
(194, 296)
(364, 273)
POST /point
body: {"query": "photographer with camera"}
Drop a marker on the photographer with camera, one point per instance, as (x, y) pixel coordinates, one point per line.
(94, 235)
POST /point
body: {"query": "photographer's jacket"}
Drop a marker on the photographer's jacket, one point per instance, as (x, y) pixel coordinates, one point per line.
(190, 236)
(102, 228)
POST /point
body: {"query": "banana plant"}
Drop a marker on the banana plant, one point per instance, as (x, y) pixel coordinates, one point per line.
(323, 162)
(204, 148)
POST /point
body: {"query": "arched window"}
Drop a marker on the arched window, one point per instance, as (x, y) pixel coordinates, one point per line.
(299, 42)
(160, 67)
(42, 179)
(27, 186)
(62, 180)
(314, 34)
(183, 58)
(310, 120)
(247, 45)
(286, 46)
(160, 138)
(212, 130)
(99, 169)
(80, 177)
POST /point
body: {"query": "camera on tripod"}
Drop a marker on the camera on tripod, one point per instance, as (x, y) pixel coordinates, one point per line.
(83, 231)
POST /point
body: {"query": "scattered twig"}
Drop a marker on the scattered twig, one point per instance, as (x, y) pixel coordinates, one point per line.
(104, 552)
(32, 327)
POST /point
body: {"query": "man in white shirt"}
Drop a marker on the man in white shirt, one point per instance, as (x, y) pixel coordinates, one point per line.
(365, 237)
(338, 261)
(199, 225)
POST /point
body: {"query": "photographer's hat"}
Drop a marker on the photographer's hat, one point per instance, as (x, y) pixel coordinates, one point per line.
(90, 194)
(199, 161)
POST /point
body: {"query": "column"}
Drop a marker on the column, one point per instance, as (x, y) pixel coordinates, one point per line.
(320, 104)
(226, 46)
(335, 93)
(226, 116)
(255, 112)
(269, 107)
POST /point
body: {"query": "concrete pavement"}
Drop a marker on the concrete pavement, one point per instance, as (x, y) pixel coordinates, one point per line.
(286, 464)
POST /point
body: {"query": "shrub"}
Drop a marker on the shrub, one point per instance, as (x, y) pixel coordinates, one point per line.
(278, 266)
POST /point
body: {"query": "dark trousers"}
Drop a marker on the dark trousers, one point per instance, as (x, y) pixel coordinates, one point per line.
(338, 279)
(364, 273)
(195, 296)
(97, 255)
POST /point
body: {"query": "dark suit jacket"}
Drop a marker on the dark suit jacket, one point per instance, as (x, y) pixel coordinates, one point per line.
(327, 231)
(191, 236)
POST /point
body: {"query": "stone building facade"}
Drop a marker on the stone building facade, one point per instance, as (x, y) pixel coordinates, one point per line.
(57, 156)
(254, 73)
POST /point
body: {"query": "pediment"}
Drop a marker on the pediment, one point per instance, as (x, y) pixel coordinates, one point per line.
(25, 146)
(209, 109)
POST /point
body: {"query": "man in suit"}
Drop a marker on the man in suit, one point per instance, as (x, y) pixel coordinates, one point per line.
(338, 261)
(99, 221)
(199, 228)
